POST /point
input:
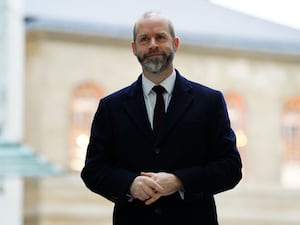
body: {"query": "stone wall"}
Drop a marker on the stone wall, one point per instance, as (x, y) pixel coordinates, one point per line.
(56, 63)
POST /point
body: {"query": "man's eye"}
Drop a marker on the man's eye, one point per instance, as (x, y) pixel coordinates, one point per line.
(160, 37)
(144, 39)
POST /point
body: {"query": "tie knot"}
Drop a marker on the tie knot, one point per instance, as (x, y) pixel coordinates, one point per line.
(159, 89)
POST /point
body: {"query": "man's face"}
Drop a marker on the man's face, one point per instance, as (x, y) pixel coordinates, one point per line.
(154, 46)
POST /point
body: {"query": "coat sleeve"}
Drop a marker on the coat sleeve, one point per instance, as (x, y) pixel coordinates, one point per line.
(222, 169)
(99, 173)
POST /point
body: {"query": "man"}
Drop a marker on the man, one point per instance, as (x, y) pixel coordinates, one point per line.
(161, 173)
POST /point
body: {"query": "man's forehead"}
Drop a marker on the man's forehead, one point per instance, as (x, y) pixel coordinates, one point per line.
(160, 24)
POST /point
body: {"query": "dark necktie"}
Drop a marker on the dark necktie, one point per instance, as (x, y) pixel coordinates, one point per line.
(159, 109)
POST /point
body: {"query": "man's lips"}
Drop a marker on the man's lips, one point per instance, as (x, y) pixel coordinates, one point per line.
(153, 55)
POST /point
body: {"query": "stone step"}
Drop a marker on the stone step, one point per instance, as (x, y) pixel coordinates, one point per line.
(65, 200)
(259, 206)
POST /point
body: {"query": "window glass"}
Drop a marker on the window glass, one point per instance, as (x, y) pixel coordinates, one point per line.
(291, 143)
(84, 104)
(237, 113)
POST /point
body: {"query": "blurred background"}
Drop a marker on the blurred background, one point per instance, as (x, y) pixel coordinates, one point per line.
(59, 57)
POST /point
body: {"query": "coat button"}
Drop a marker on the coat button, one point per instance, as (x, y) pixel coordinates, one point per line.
(158, 211)
(157, 150)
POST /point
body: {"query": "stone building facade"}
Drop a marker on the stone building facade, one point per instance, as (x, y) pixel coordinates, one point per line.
(66, 75)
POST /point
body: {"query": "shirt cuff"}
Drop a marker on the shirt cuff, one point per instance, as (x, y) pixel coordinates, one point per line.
(181, 193)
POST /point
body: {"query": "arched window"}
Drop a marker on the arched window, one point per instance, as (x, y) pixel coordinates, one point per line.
(237, 113)
(291, 130)
(84, 103)
(291, 142)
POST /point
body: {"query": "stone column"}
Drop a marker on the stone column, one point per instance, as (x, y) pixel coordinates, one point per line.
(11, 200)
(2, 64)
(11, 103)
(265, 144)
(11, 69)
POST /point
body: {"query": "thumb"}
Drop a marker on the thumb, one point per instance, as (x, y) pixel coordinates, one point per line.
(147, 174)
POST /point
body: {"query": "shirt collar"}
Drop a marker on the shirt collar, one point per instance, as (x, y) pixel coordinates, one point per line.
(168, 84)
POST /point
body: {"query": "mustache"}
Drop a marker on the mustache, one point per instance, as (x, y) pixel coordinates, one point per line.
(153, 54)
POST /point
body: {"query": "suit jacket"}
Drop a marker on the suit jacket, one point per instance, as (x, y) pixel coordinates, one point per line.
(195, 143)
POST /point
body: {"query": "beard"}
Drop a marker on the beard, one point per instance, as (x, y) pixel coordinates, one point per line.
(156, 65)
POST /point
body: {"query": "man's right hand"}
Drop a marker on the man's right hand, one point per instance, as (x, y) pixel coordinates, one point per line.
(145, 188)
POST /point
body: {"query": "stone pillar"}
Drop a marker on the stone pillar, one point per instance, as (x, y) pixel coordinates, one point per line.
(11, 106)
(11, 69)
(265, 143)
(2, 64)
(11, 195)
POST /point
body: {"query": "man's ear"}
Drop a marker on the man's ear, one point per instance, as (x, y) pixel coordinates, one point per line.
(176, 43)
(133, 48)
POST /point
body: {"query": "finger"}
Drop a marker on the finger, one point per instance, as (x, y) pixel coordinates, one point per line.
(156, 187)
(147, 174)
(144, 196)
(153, 199)
(149, 191)
(137, 188)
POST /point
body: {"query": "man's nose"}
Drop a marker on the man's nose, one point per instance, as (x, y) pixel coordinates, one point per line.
(153, 43)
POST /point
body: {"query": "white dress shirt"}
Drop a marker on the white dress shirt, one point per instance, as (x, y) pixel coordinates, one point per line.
(150, 95)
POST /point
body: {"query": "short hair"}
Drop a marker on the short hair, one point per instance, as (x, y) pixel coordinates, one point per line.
(150, 14)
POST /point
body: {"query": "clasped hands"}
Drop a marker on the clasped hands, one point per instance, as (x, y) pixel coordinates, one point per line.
(149, 187)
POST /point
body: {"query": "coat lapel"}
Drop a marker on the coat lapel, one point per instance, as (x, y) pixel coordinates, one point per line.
(179, 104)
(136, 108)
